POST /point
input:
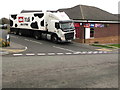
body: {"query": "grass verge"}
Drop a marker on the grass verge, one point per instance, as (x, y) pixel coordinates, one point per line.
(115, 45)
(103, 46)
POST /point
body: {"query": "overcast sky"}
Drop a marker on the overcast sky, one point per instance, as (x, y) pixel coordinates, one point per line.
(15, 6)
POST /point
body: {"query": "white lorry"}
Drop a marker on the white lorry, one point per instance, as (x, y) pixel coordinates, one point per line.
(54, 26)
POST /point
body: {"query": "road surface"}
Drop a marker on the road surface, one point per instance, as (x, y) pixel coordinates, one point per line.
(31, 69)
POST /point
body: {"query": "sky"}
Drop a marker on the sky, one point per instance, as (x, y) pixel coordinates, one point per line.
(8, 7)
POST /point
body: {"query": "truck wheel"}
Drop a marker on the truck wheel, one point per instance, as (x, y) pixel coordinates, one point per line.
(20, 33)
(54, 39)
(37, 35)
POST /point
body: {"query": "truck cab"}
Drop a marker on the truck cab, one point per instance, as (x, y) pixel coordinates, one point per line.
(61, 26)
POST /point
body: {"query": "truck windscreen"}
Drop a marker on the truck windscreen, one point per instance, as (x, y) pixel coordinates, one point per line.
(67, 26)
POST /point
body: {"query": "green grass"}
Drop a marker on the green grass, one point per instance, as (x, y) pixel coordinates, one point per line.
(103, 46)
(115, 45)
(111, 46)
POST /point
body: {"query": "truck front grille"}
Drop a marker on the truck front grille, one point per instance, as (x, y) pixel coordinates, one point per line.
(69, 36)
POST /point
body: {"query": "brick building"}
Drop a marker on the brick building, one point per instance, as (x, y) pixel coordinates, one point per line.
(93, 25)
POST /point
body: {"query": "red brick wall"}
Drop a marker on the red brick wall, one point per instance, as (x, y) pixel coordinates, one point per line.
(110, 30)
(111, 39)
(107, 34)
(79, 30)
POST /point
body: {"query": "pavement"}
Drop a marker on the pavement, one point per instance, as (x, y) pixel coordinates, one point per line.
(13, 48)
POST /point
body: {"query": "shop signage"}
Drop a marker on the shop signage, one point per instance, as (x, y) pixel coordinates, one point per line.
(92, 25)
(77, 24)
(87, 25)
(99, 25)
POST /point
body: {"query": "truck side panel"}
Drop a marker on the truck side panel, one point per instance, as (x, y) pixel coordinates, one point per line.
(33, 21)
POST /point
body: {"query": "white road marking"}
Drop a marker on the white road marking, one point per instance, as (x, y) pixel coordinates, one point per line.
(51, 53)
(30, 54)
(95, 52)
(64, 49)
(100, 52)
(41, 54)
(35, 42)
(104, 51)
(17, 54)
(68, 53)
(76, 52)
(32, 41)
(83, 52)
(90, 52)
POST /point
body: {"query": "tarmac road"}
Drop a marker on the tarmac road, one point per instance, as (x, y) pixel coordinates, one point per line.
(81, 71)
(38, 47)
(30, 69)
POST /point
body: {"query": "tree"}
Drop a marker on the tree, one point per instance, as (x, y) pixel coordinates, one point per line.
(4, 21)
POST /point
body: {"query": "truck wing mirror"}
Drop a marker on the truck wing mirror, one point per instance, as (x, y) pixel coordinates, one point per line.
(57, 25)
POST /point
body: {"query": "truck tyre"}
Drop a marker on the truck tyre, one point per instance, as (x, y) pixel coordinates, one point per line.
(37, 35)
(20, 33)
(54, 38)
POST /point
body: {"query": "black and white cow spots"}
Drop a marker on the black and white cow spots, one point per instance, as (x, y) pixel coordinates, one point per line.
(14, 16)
(32, 18)
(42, 23)
(27, 20)
(34, 25)
(11, 23)
(16, 25)
(39, 15)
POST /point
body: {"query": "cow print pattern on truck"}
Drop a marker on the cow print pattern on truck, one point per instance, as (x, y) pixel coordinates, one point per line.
(16, 25)
(36, 22)
(42, 23)
(14, 16)
(39, 15)
(11, 23)
(34, 25)
(32, 18)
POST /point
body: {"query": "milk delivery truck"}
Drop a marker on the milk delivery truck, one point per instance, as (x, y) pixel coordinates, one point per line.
(55, 26)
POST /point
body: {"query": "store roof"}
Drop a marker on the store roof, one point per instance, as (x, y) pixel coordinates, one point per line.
(83, 12)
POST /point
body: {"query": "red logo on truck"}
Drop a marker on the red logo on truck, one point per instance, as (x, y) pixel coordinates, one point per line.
(20, 19)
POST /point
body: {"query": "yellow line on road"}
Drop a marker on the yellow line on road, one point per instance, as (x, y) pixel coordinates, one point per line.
(13, 50)
(103, 49)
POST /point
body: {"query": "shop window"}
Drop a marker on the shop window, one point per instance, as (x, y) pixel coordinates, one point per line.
(106, 25)
(91, 32)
